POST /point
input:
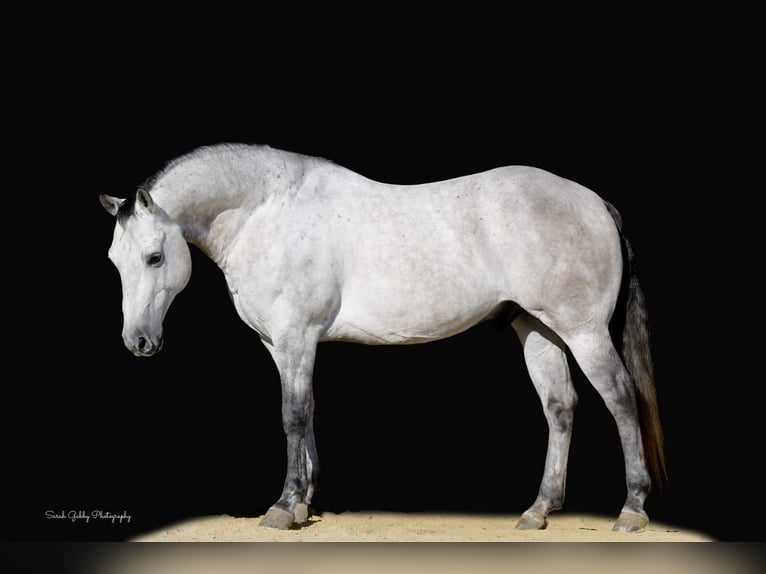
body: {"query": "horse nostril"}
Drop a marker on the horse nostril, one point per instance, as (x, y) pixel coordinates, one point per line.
(141, 343)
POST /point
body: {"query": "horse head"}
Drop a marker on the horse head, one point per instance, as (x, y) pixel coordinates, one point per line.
(154, 262)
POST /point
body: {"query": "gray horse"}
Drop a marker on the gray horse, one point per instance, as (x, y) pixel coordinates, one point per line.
(314, 252)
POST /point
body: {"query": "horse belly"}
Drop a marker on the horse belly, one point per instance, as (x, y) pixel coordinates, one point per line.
(415, 296)
(401, 325)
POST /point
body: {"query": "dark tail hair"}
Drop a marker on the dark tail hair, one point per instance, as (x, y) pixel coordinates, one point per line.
(636, 353)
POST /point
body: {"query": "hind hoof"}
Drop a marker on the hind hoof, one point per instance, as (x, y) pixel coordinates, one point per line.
(278, 519)
(630, 522)
(530, 521)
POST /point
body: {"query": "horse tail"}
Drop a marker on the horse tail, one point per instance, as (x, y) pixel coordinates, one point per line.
(637, 356)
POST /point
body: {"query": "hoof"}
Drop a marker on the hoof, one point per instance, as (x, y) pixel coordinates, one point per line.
(630, 522)
(530, 521)
(301, 513)
(277, 518)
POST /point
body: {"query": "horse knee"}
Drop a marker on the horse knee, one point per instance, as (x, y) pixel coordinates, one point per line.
(296, 418)
(560, 412)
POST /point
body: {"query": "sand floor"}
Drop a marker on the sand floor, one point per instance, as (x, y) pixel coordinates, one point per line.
(403, 527)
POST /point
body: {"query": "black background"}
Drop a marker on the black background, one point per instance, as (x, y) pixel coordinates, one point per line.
(453, 426)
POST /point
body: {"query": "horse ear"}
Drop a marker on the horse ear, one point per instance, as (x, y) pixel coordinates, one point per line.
(144, 200)
(111, 204)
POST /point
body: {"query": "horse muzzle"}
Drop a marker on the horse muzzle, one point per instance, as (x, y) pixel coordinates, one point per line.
(143, 345)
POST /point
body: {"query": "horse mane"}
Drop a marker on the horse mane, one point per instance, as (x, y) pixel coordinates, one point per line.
(202, 151)
(127, 208)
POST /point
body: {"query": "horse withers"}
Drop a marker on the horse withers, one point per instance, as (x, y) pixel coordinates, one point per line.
(314, 252)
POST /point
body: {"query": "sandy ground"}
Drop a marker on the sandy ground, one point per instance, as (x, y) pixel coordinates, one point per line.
(425, 558)
(402, 527)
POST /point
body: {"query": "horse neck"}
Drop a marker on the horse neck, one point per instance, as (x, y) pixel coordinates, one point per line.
(211, 192)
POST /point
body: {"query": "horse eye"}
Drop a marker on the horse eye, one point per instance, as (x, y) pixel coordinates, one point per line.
(154, 259)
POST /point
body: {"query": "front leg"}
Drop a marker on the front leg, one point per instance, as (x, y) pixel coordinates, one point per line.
(294, 355)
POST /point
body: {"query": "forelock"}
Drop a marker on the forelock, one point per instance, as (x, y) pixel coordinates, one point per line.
(127, 209)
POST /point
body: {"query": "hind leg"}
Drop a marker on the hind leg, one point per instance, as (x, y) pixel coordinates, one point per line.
(603, 367)
(545, 355)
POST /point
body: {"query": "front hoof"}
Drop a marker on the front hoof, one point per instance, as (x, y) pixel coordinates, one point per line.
(529, 521)
(301, 513)
(277, 518)
(630, 522)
